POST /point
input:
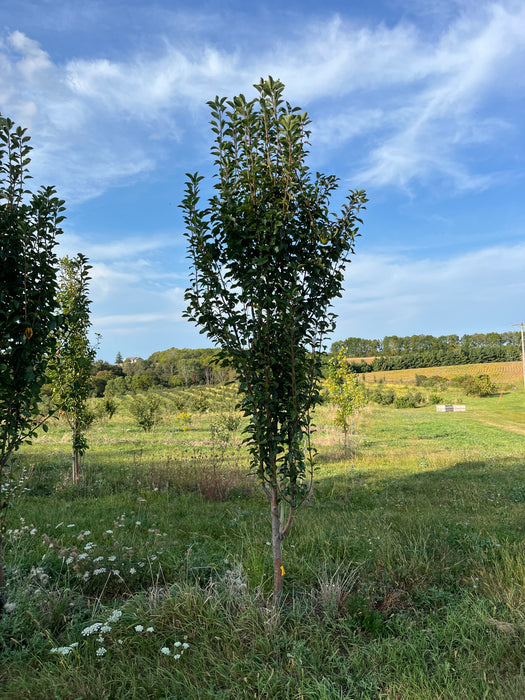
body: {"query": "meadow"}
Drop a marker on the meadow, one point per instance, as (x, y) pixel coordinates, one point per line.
(151, 578)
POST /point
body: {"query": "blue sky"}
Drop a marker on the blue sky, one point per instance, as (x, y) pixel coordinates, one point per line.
(421, 104)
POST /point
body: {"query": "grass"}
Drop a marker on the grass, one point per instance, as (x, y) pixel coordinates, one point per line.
(405, 574)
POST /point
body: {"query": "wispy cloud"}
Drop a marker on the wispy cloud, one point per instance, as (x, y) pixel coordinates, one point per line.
(420, 100)
(386, 293)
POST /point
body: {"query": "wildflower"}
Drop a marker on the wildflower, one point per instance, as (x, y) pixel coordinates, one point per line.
(105, 628)
(177, 644)
(139, 523)
(119, 641)
(86, 533)
(133, 570)
(69, 560)
(62, 650)
(150, 629)
(100, 651)
(108, 532)
(82, 556)
(112, 558)
(72, 525)
(176, 656)
(9, 607)
(115, 616)
(98, 559)
(33, 531)
(91, 629)
(102, 570)
(185, 645)
(115, 572)
(139, 628)
(165, 650)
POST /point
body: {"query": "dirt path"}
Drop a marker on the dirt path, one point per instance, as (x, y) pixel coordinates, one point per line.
(508, 428)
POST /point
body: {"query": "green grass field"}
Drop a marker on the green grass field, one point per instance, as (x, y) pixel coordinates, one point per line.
(405, 574)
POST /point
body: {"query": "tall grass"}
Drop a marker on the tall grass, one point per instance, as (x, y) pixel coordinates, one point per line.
(404, 575)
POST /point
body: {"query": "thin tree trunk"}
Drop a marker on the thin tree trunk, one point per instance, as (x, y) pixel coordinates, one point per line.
(277, 551)
(75, 459)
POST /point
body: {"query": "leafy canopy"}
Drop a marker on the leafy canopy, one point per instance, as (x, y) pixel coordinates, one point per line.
(268, 258)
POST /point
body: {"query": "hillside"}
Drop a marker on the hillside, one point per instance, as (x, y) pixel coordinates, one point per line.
(499, 372)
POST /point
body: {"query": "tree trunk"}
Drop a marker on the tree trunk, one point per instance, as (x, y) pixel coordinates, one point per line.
(276, 546)
(76, 466)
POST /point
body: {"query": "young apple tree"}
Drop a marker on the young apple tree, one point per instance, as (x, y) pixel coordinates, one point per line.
(29, 225)
(70, 367)
(345, 391)
(268, 258)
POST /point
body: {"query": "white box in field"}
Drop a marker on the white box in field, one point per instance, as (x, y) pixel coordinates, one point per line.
(451, 407)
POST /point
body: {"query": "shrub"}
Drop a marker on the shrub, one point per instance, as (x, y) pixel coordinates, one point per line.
(384, 396)
(411, 399)
(479, 385)
(145, 410)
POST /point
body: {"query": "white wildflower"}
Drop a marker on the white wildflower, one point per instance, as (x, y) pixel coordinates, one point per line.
(139, 628)
(150, 629)
(100, 651)
(91, 629)
(115, 616)
(165, 650)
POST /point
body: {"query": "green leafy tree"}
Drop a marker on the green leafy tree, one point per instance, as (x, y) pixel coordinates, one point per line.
(145, 409)
(345, 391)
(29, 225)
(70, 367)
(268, 258)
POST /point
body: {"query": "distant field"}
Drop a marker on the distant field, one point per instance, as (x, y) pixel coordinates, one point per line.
(499, 372)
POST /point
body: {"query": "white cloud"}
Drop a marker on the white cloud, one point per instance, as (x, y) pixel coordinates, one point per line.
(100, 122)
(483, 289)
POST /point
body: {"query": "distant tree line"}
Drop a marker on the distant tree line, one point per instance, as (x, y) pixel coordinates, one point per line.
(408, 352)
(163, 369)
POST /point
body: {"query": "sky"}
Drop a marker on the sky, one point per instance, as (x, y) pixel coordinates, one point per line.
(421, 104)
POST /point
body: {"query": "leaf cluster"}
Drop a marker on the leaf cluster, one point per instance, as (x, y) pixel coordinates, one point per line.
(268, 258)
(29, 225)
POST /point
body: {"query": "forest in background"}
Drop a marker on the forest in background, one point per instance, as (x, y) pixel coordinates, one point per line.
(419, 351)
(186, 367)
